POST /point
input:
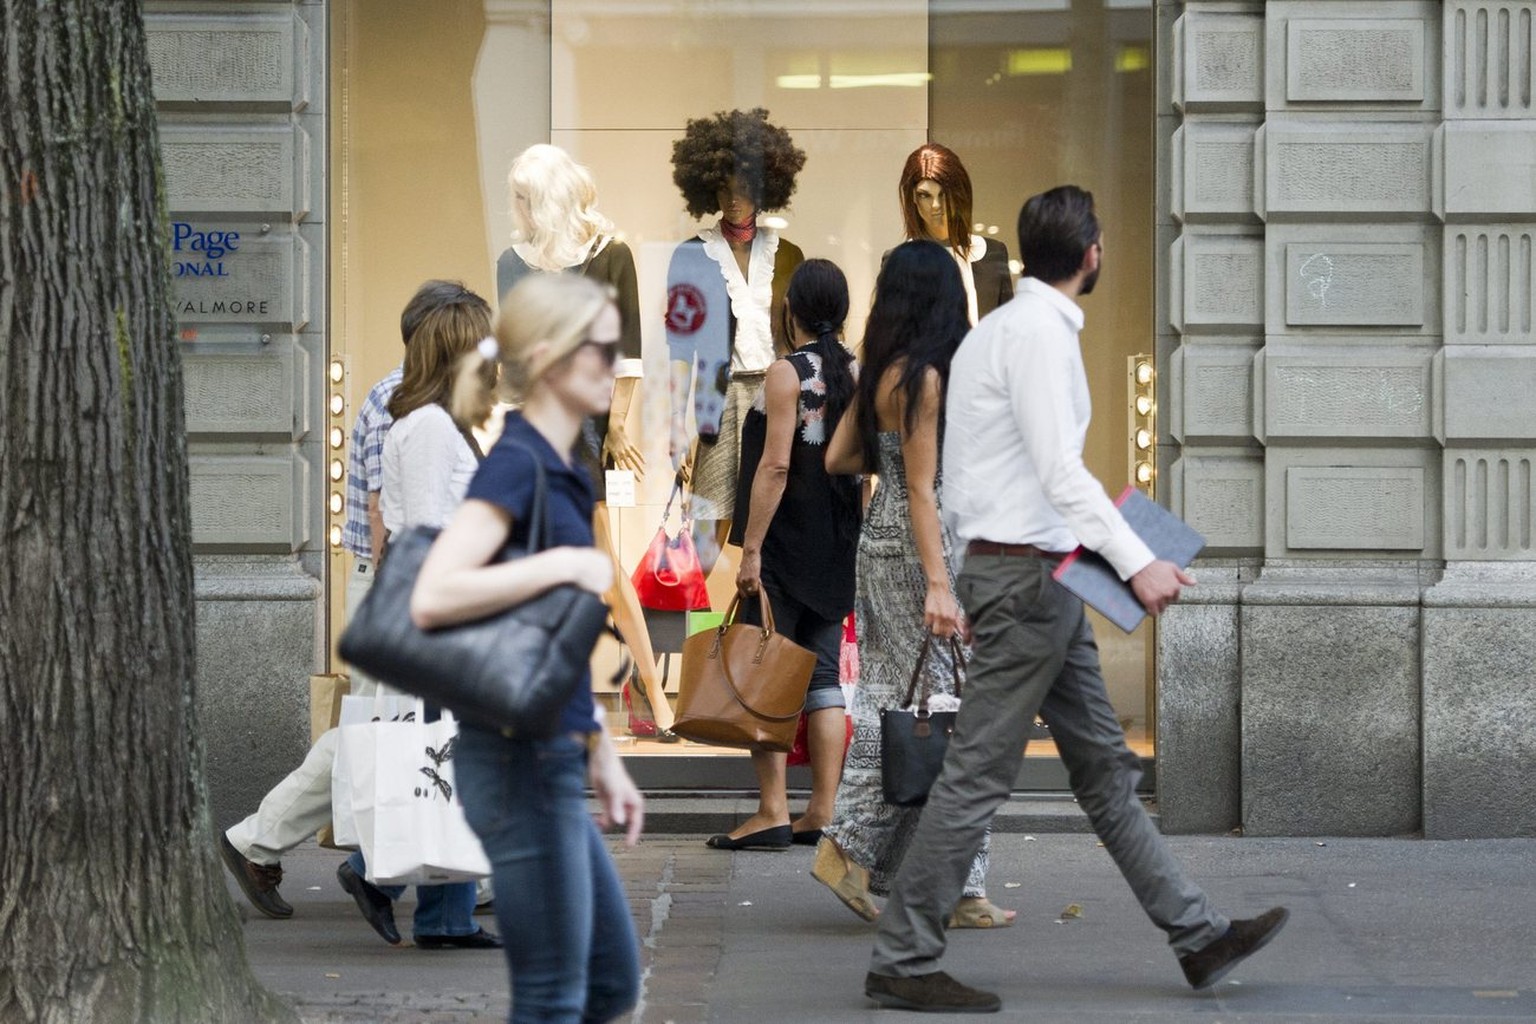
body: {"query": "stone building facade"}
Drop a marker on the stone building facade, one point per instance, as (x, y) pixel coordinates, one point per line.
(242, 94)
(1346, 204)
(1348, 193)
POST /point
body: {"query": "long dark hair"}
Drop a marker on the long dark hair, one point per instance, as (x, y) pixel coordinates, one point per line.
(818, 302)
(917, 322)
(933, 162)
(450, 321)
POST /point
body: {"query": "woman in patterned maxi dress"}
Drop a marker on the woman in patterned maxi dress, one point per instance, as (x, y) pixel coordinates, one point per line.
(905, 586)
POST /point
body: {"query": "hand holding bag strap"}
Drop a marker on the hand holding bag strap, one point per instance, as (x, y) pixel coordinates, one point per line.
(766, 608)
(958, 659)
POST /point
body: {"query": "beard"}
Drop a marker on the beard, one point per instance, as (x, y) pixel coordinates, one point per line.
(1088, 283)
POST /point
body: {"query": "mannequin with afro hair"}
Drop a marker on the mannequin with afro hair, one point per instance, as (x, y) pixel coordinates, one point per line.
(725, 299)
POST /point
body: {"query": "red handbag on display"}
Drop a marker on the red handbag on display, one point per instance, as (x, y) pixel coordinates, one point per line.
(669, 577)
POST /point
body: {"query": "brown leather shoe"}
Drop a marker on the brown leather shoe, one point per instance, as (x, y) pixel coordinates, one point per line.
(1208, 965)
(929, 993)
(259, 882)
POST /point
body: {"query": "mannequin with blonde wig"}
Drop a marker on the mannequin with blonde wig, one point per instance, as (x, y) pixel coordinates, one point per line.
(557, 228)
(935, 196)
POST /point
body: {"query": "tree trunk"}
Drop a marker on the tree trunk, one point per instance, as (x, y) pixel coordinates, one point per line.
(113, 908)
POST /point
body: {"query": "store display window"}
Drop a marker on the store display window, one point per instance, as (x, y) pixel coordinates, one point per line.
(431, 104)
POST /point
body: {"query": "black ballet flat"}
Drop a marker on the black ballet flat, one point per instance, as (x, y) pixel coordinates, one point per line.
(779, 837)
(810, 837)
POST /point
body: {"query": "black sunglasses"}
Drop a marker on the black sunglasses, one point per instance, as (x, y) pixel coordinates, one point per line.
(608, 351)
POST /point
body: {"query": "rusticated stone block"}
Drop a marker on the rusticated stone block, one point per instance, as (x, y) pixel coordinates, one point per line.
(1219, 61)
(1217, 282)
(265, 280)
(1488, 68)
(1354, 284)
(245, 60)
(228, 170)
(1362, 393)
(257, 625)
(1199, 729)
(1490, 503)
(1213, 171)
(1479, 704)
(1490, 169)
(1489, 393)
(249, 502)
(255, 394)
(1221, 496)
(1354, 507)
(1330, 716)
(1375, 169)
(1214, 388)
(1355, 60)
(1490, 284)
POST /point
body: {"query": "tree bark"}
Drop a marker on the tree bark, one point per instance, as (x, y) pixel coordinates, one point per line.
(113, 908)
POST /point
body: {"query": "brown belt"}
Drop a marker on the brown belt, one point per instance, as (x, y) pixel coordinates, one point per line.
(992, 547)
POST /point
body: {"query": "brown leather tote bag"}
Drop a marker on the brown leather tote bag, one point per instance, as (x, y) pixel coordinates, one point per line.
(743, 686)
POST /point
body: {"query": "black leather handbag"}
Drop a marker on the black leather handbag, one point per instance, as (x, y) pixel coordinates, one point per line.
(913, 739)
(513, 671)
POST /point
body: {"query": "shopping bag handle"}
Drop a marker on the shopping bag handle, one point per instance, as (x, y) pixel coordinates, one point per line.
(958, 654)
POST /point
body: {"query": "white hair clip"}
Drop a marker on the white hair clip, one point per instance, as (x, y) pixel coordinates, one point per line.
(489, 350)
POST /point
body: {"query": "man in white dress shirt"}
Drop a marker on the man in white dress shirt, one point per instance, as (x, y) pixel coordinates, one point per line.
(1017, 494)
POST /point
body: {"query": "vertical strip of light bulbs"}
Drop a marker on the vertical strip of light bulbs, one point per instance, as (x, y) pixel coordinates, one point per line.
(336, 452)
(1143, 423)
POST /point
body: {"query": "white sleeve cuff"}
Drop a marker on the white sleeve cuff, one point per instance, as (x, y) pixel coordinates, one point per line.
(1127, 553)
(629, 368)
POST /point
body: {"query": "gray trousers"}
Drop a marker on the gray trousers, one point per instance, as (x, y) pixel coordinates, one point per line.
(1034, 652)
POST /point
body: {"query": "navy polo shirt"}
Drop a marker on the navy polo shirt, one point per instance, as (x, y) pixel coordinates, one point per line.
(507, 479)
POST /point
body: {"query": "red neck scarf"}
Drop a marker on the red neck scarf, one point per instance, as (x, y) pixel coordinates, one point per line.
(738, 234)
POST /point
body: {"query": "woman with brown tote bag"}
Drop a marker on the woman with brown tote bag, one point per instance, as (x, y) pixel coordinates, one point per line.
(798, 540)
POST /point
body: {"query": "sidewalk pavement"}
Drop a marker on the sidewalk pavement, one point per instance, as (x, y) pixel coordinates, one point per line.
(1382, 931)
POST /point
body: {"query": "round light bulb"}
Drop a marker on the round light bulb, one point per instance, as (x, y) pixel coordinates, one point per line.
(1143, 373)
(335, 536)
(1143, 472)
(338, 503)
(1143, 405)
(338, 405)
(338, 438)
(337, 371)
(337, 469)
(1143, 438)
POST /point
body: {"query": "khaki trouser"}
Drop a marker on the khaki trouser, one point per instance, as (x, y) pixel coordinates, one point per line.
(1034, 652)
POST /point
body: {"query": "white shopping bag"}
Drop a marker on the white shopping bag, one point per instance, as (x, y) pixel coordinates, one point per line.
(356, 710)
(409, 820)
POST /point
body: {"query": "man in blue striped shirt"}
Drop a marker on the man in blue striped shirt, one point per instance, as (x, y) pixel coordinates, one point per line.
(300, 805)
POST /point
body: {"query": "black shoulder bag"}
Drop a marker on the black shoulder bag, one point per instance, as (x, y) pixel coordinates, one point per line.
(913, 739)
(513, 670)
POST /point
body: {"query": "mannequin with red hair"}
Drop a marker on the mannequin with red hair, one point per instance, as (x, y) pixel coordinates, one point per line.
(935, 194)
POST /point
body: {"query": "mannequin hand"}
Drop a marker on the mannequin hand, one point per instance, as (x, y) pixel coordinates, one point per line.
(623, 453)
(587, 568)
(619, 802)
(941, 612)
(679, 444)
(1157, 586)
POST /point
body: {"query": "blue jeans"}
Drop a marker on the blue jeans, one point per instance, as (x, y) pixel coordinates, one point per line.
(440, 909)
(570, 941)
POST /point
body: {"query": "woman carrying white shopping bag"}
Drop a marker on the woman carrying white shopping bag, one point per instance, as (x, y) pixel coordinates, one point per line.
(570, 941)
(429, 458)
